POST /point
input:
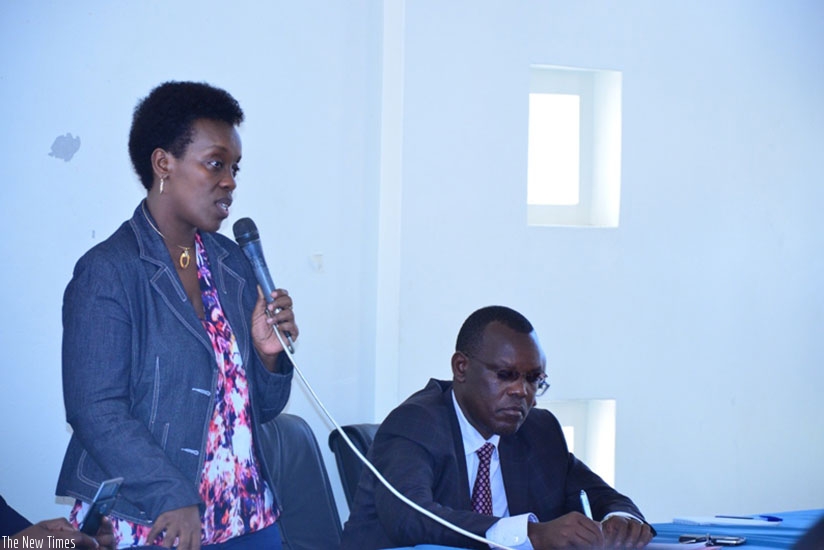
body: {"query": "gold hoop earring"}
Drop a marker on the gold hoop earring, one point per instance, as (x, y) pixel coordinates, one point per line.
(162, 181)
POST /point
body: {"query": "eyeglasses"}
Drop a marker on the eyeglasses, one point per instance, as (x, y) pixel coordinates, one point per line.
(508, 375)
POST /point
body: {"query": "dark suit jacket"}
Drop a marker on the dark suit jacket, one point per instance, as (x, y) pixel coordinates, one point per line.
(11, 522)
(419, 450)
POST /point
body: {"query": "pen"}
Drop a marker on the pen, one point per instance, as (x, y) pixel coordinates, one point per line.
(759, 517)
(585, 504)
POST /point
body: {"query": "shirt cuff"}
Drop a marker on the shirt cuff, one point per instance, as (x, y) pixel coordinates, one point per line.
(512, 531)
(623, 515)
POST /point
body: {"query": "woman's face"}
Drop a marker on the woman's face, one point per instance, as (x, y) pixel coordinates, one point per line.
(201, 181)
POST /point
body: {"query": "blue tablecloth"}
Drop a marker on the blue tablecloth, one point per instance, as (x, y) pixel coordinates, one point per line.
(784, 535)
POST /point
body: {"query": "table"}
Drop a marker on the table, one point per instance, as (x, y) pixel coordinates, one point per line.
(793, 526)
(784, 535)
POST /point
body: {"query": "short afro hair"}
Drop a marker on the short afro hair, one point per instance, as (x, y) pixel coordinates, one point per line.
(165, 119)
(471, 334)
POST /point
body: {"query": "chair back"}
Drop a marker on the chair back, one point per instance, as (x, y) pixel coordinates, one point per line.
(310, 519)
(349, 465)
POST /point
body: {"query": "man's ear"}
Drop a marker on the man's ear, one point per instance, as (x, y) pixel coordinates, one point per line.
(459, 365)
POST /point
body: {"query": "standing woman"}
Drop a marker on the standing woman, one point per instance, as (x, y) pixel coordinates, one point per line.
(170, 361)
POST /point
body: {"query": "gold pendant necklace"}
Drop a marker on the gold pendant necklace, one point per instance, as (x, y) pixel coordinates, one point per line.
(185, 258)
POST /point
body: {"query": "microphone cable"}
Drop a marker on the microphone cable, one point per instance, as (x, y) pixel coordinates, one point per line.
(371, 467)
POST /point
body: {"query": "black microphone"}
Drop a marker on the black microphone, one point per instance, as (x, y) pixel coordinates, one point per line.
(246, 235)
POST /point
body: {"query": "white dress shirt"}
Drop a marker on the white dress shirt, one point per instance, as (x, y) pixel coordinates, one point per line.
(509, 531)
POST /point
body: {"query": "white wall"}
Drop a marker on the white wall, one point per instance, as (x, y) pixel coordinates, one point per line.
(701, 314)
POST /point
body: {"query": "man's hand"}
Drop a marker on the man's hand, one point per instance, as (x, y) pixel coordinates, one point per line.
(623, 532)
(573, 530)
(181, 526)
(70, 537)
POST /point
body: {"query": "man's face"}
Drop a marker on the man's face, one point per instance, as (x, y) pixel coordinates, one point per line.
(492, 404)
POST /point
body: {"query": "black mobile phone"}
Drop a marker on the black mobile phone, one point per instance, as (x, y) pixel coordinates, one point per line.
(101, 505)
(715, 540)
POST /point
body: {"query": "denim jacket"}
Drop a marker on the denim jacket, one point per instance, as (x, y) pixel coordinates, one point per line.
(139, 371)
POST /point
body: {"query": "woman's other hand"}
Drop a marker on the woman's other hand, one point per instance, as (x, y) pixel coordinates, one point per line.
(179, 527)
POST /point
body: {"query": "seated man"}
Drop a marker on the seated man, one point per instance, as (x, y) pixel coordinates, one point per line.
(435, 449)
